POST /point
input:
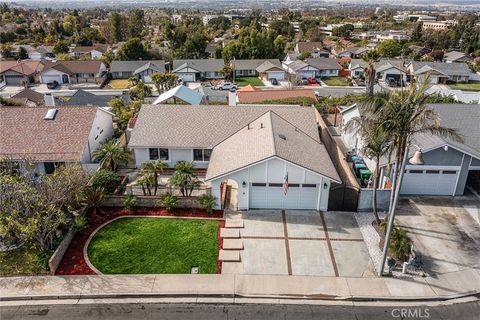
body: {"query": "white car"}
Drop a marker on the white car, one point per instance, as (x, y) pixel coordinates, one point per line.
(226, 86)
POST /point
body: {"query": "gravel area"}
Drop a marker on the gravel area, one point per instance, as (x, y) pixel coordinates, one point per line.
(370, 236)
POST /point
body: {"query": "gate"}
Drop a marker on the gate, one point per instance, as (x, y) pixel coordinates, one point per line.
(343, 198)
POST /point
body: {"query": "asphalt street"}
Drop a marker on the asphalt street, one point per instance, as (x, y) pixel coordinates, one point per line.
(177, 311)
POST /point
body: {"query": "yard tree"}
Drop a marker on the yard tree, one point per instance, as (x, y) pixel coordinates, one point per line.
(154, 168)
(304, 55)
(389, 48)
(60, 47)
(227, 72)
(22, 53)
(111, 154)
(140, 91)
(369, 72)
(117, 26)
(343, 31)
(136, 23)
(133, 49)
(417, 33)
(6, 50)
(185, 178)
(164, 81)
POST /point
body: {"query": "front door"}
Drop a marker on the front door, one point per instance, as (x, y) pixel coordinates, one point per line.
(64, 78)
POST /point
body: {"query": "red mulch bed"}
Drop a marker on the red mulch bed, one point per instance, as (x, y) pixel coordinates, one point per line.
(73, 262)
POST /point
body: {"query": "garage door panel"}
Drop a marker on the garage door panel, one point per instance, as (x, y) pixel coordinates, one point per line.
(274, 198)
(429, 182)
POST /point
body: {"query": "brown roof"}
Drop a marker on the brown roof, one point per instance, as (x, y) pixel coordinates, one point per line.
(268, 95)
(26, 134)
(25, 67)
(310, 46)
(29, 94)
(86, 49)
(75, 66)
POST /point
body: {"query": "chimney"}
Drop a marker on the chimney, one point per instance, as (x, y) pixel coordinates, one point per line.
(49, 100)
(232, 98)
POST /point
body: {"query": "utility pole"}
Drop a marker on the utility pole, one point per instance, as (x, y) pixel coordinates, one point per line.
(233, 70)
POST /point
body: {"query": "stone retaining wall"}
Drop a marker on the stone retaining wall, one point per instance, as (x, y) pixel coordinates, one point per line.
(57, 256)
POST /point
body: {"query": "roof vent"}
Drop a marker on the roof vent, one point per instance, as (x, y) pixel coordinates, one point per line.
(261, 125)
(51, 113)
(282, 136)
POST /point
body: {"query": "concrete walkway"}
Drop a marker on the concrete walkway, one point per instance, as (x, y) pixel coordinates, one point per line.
(445, 286)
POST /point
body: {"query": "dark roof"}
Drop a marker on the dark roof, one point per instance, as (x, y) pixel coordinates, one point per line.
(84, 98)
(323, 63)
(252, 64)
(449, 69)
(201, 65)
(29, 94)
(131, 66)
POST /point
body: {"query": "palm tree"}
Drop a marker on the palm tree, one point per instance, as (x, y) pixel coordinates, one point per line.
(154, 168)
(146, 182)
(369, 72)
(184, 178)
(111, 154)
(92, 197)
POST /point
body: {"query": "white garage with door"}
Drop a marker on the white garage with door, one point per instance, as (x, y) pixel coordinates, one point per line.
(299, 196)
(279, 75)
(187, 77)
(432, 181)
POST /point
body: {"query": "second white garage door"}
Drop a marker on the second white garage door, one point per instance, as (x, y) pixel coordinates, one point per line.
(429, 182)
(271, 195)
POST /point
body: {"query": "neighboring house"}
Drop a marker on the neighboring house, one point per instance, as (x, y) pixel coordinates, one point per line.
(300, 69)
(84, 98)
(327, 67)
(390, 69)
(53, 137)
(419, 50)
(315, 48)
(142, 69)
(198, 69)
(266, 69)
(28, 97)
(260, 96)
(93, 52)
(13, 73)
(357, 67)
(211, 49)
(290, 57)
(251, 148)
(350, 52)
(40, 52)
(76, 71)
(456, 56)
(448, 165)
(439, 72)
(180, 94)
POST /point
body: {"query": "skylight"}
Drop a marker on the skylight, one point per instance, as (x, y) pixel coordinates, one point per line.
(51, 113)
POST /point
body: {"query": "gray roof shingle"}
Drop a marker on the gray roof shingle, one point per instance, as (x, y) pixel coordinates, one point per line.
(202, 65)
(449, 69)
(131, 66)
(324, 63)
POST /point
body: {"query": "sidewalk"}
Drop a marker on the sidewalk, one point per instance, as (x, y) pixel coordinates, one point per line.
(445, 286)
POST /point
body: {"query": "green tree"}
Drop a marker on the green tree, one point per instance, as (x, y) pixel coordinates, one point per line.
(304, 55)
(141, 91)
(417, 33)
(389, 48)
(133, 49)
(117, 26)
(227, 72)
(154, 168)
(136, 23)
(22, 53)
(343, 31)
(111, 155)
(60, 47)
(6, 50)
(370, 72)
(184, 178)
(164, 81)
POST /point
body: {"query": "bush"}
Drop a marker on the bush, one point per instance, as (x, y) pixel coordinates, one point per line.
(169, 201)
(400, 244)
(129, 202)
(208, 202)
(79, 222)
(106, 179)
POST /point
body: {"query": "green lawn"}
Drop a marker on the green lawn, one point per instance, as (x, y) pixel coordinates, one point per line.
(465, 86)
(336, 81)
(245, 81)
(119, 84)
(155, 245)
(22, 261)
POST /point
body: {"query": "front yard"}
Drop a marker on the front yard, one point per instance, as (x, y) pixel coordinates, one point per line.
(119, 84)
(336, 81)
(465, 86)
(245, 81)
(155, 245)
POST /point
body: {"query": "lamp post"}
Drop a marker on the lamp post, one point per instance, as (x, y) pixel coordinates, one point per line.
(417, 159)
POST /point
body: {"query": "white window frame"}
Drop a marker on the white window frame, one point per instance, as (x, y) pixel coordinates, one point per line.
(159, 157)
(203, 155)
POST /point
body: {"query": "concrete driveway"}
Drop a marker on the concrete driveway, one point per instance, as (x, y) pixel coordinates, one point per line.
(301, 242)
(443, 231)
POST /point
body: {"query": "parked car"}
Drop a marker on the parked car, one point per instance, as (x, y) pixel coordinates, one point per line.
(304, 81)
(52, 85)
(274, 82)
(312, 80)
(226, 86)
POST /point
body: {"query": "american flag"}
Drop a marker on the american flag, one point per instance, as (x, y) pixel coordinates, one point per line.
(285, 184)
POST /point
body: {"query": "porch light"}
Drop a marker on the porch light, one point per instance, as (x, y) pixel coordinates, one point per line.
(244, 184)
(325, 185)
(417, 158)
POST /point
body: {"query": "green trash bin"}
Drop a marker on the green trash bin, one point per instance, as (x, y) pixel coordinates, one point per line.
(364, 174)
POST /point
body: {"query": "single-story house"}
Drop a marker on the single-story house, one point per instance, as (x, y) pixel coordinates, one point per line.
(254, 149)
(52, 137)
(357, 67)
(142, 69)
(300, 69)
(314, 47)
(265, 68)
(350, 52)
(456, 56)
(40, 52)
(390, 69)
(260, 96)
(94, 52)
(28, 97)
(13, 73)
(448, 165)
(181, 94)
(440, 72)
(198, 69)
(327, 67)
(76, 71)
(85, 98)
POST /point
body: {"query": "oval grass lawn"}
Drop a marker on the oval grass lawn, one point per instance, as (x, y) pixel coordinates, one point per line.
(135, 245)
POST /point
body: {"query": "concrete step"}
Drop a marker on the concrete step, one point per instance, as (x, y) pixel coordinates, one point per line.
(234, 223)
(230, 233)
(229, 255)
(232, 244)
(232, 267)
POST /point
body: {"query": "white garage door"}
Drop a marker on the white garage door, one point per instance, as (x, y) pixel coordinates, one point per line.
(187, 77)
(429, 182)
(279, 75)
(147, 79)
(271, 196)
(50, 78)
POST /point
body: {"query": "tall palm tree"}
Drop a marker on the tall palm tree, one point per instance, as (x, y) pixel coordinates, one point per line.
(154, 168)
(184, 178)
(369, 72)
(111, 154)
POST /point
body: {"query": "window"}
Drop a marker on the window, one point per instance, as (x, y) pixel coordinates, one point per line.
(50, 167)
(275, 185)
(449, 172)
(309, 185)
(433, 171)
(416, 171)
(293, 185)
(257, 184)
(202, 154)
(158, 154)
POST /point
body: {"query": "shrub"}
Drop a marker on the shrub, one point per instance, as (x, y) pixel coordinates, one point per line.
(208, 202)
(106, 179)
(130, 201)
(169, 201)
(79, 222)
(400, 244)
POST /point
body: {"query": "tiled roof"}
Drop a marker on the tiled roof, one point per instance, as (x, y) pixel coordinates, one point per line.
(29, 94)
(202, 65)
(259, 96)
(26, 134)
(26, 67)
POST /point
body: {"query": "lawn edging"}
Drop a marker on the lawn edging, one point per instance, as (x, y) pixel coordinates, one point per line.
(57, 256)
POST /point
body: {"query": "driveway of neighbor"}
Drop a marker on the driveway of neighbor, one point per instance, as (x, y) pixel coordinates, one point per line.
(303, 242)
(443, 231)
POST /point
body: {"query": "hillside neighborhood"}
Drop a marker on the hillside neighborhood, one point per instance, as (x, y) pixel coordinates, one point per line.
(294, 152)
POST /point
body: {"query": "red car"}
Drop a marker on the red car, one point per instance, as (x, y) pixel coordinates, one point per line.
(312, 80)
